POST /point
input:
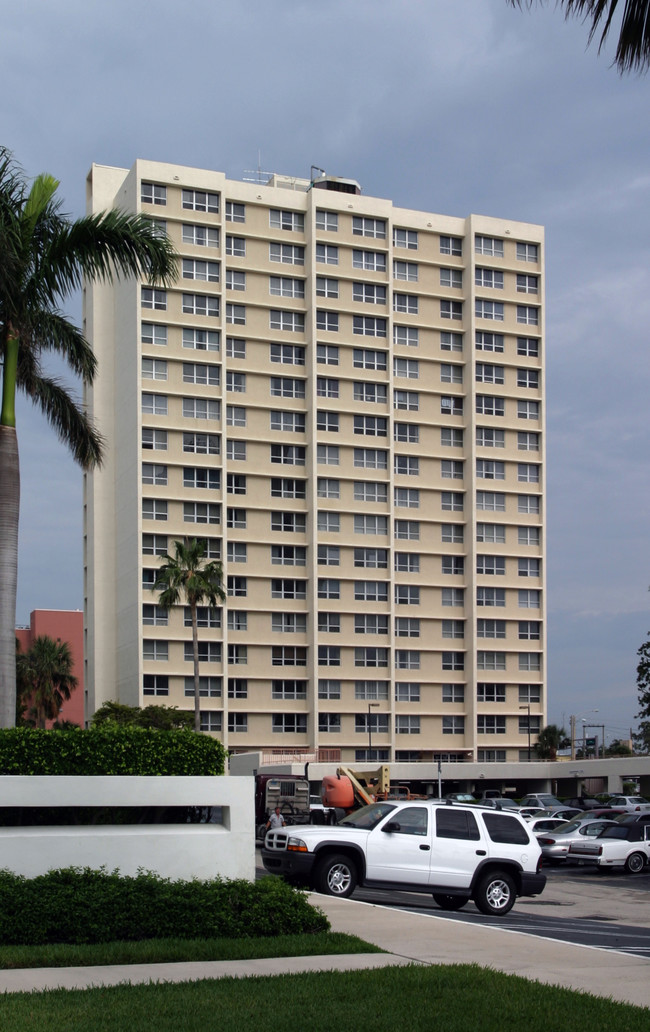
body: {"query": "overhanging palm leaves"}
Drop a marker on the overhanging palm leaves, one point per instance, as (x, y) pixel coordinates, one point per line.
(633, 47)
(186, 577)
(44, 255)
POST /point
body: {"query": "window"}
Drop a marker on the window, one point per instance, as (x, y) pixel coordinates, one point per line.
(486, 437)
(205, 617)
(494, 565)
(287, 321)
(407, 562)
(288, 522)
(153, 193)
(236, 450)
(530, 693)
(407, 303)
(488, 245)
(364, 358)
(488, 469)
(489, 373)
(327, 254)
(406, 336)
(285, 487)
(288, 588)
(490, 660)
(453, 564)
(328, 588)
(528, 473)
(490, 628)
(154, 509)
(409, 400)
(486, 405)
(405, 271)
(453, 660)
(235, 414)
(453, 725)
(452, 532)
(453, 693)
(527, 314)
(326, 287)
(371, 261)
(489, 341)
(408, 725)
(490, 725)
(200, 340)
(235, 482)
(289, 422)
(407, 626)
(407, 530)
(288, 555)
(370, 623)
(405, 238)
(209, 687)
(327, 220)
(152, 473)
(329, 555)
(529, 630)
(369, 293)
(453, 597)
(528, 409)
(370, 392)
(152, 333)
(237, 687)
(289, 623)
(530, 661)
(528, 378)
(451, 245)
(327, 454)
(375, 721)
(371, 426)
(371, 558)
(197, 372)
(237, 586)
(407, 595)
(235, 279)
(370, 491)
(286, 286)
(329, 689)
(150, 298)
(329, 655)
(371, 690)
(237, 722)
(368, 326)
(235, 212)
(327, 354)
(491, 501)
(528, 346)
(327, 321)
(451, 469)
(288, 454)
(494, 533)
(155, 684)
(236, 552)
(491, 597)
(154, 440)
(287, 354)
(154, 616)
(489, 310)
(451, 373)
(154, 404)
(293, 221)
(199, 477)
(406, 498)
(287, 254)
(329, 723)
(451, 278)
(154, 544)
(154, 369)
(451, 501)
(200, 304)
(453, 628)
(193, 268)
(527, 284)
(209, 652)
(370, 657)
(370, 458)
(199, 200)
(362, 226)
(451, 341)
(488, 278)
(201, 408)
(527, 252)
(450, 406)
(326, 387)
(528, 567)
(236, 246)
(407, 433)
(370, 591)
(201, 512)
(370, 524)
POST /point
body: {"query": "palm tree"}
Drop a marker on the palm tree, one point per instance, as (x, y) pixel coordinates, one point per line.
(44, 255)
(550, 739)
(46, 678)
(186, 576)
(633, 47)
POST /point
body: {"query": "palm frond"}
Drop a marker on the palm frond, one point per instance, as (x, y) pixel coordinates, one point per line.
(62, 412)
(51, 331)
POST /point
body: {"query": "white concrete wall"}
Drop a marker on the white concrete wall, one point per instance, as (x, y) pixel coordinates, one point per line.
(178, 851)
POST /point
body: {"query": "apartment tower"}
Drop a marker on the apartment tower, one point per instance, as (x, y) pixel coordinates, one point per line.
(344, 400)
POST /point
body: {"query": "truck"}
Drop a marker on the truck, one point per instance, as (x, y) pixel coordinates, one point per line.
(288, 791)
(349, 789)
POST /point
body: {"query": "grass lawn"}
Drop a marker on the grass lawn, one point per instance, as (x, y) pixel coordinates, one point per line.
(459, 998)
(160, 951)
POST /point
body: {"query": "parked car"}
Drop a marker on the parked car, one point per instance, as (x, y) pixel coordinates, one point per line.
(555, 845)
(540, 799)
(528, 812)
(584, 802)
(500, 803)
(544, 825)
(566, 812)
(631, 803)
(461, 797)
(620, 845)
(607, 811)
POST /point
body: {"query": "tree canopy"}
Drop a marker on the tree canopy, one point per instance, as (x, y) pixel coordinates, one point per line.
(550, 739)
(642, 737)
(44, 674)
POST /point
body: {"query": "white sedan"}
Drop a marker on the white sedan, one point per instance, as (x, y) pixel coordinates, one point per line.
(631, 803)
(619, 845)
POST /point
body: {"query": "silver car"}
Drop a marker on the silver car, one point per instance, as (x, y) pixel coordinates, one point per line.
(555, 844)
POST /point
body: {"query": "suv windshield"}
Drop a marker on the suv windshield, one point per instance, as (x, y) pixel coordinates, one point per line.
(368, 816)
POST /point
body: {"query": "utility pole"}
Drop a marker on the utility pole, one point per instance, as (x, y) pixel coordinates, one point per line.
(572, 725)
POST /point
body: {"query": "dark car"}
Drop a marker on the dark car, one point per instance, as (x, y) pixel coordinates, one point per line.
(584, 803)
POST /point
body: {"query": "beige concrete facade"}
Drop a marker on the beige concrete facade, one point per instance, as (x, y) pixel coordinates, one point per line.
(345, 399)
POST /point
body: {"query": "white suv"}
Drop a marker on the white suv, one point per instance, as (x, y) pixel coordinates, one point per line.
(453, 851)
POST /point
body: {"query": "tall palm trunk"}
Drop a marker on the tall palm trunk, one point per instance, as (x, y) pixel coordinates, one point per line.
(9, 507)
(195, 656)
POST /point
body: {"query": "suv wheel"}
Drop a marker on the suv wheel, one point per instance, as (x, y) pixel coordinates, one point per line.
(336, 876)
(495, 894)
(446, 902)
(635, 863)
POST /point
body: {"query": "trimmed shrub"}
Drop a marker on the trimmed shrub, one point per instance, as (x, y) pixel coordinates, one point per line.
(82, 906)
(109, 749)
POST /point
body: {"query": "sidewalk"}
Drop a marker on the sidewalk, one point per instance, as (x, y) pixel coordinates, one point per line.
(409, 938)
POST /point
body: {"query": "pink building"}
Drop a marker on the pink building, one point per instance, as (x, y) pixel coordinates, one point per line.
(63, 625)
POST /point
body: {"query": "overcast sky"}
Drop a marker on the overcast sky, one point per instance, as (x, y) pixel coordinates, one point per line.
(451, 106)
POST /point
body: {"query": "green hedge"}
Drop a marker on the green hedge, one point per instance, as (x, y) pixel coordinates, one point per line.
(81, 906)
(109, 749)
